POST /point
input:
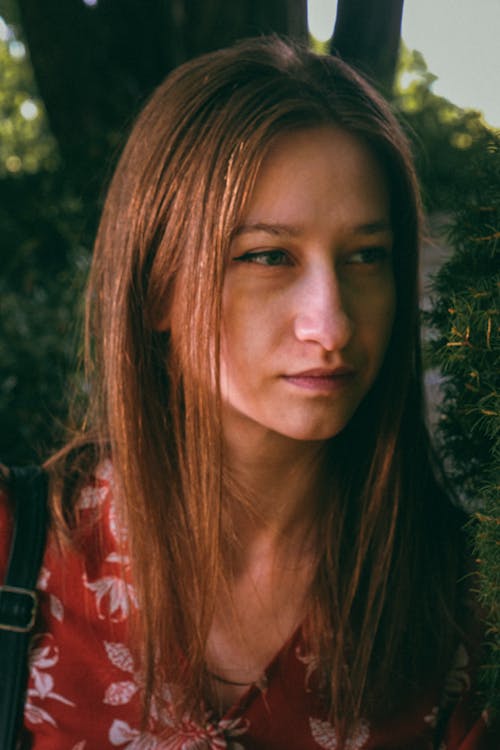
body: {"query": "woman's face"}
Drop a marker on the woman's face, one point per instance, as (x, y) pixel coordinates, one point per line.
(309, 292)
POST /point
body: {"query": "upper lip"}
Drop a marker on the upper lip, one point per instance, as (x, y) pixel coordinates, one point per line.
(323, 372)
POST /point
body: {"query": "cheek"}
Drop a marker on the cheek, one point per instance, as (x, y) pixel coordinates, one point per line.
(240, 345)
(235, 342)
(248, 323)
(373, 310)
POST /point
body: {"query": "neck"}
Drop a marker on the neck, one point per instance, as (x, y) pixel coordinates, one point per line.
(281, 483)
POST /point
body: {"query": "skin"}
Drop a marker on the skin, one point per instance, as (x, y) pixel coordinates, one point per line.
(309, 287)
(308, 309)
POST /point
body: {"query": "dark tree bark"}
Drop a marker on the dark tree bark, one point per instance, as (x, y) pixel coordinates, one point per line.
(95, 66)
(367, 34)
(212, 24)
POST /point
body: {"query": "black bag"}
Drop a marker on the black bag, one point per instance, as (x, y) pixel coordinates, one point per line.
(18, 598)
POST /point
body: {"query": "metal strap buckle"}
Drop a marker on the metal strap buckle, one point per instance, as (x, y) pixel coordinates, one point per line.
(20, 610)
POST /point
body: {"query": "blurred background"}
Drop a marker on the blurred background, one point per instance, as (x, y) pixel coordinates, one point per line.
(73, 75)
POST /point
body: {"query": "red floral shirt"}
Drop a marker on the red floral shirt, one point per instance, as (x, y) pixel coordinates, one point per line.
(84, 685)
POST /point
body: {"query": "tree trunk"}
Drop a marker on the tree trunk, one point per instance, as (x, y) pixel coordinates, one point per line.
(367, 34)
(95, 65)
(212, 24)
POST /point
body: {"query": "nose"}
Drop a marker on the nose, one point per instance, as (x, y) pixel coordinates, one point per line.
(321, 316)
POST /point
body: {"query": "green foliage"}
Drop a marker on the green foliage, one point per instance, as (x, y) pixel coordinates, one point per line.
(458, 161)
(465, 316)
(26, 144)
(47, 227)
(40, 291)
(445, 137)
(46, 231)
(321, 48)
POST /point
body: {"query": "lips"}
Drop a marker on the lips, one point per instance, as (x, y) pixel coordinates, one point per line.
(322, 379)
(323, 372)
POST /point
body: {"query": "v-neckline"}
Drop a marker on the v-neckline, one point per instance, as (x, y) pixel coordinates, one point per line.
(257, 690)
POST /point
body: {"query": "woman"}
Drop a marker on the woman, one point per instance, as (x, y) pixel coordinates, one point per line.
(249, 547)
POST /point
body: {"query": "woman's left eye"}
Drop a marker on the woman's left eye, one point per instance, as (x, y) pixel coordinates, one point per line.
(369, 256)
(265, 258)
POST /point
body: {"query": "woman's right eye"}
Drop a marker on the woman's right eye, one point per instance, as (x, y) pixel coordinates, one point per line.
(265, 258)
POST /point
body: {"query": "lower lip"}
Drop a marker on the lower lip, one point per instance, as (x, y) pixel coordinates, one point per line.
(318, 384)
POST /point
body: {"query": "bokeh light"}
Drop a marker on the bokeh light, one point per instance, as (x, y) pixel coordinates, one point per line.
(17, 50)
(29, 109)
(5, 32)
(13, 163)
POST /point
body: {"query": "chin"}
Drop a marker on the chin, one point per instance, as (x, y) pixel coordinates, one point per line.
(302, 425)
(310, 433)
(317, 435)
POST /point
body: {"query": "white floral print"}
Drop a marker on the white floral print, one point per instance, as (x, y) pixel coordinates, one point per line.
(115, 593)
(119, 693)
(43, 579)
(85, 628)
(122, 735)
(325, 735)
(183, 735)
(188, 735)
(41, 660)
(92, 497)
(56, 607)
(117, 529)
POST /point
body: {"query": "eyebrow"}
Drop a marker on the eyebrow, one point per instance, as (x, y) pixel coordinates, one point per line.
(274, 229)
(291, 230)
(373, 227)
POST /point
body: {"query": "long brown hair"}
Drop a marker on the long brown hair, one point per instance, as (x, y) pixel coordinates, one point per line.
(384, 597)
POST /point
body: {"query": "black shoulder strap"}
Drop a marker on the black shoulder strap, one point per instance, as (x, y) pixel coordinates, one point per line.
(18, 598)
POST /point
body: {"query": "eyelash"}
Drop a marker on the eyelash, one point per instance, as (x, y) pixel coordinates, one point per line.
(369, 256)
(257, 257)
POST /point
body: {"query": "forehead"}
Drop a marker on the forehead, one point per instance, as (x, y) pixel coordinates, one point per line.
(319, 174)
